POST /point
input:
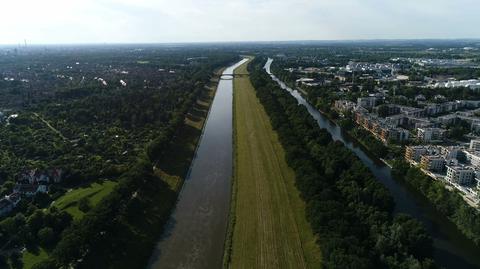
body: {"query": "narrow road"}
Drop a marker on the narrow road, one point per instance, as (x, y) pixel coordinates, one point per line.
(50, 126)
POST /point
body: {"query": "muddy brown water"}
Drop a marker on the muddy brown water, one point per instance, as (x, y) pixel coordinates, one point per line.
(195, 234)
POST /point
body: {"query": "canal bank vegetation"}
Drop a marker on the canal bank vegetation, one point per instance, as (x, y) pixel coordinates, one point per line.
(123, 228)
(268, 221)
(449, 203)
(349, 211)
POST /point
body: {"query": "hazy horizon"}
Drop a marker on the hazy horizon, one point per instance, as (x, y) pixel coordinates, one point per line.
(207, 21)
(318, 41)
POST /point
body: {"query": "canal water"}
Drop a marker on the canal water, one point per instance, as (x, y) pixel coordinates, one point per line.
(195, 234)
(451, 248)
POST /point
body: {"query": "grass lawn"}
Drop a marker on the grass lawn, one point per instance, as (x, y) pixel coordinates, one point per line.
(30, 259)
(68, 202)
(94, 192)
(269, 224)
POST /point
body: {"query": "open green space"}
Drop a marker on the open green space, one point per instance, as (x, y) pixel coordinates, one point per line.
(29, 259)
(94, 193)
(270, 229)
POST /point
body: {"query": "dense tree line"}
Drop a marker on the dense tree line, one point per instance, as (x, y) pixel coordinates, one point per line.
(103, 127)
(39, 229)
(348, 209)
(449, 203)
(121, 231)
(96, 132)
(459, 73)
(369, 141)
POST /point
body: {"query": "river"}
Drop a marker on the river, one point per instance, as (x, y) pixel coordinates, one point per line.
(451, 248)
(195, 234)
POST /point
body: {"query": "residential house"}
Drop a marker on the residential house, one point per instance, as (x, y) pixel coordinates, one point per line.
(29, 189)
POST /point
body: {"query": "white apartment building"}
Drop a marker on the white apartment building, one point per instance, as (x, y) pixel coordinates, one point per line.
(475, 145)
(473, 158)
(415, 153)
(461, 175)
(430, 134)
(434, 163)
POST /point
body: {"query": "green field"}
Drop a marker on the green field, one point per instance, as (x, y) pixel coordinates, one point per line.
(29, 259)
(94, 192)
(269, 224)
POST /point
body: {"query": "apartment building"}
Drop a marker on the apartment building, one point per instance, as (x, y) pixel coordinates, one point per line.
(462, 175)
(435, 163)
(430, 134)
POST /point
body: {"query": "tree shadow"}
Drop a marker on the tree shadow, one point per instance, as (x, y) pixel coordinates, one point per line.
(178, 158)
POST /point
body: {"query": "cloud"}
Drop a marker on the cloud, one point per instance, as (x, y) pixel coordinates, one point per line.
(111, 21)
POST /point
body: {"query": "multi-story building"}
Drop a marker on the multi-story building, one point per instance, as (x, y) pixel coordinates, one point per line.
(452, 152)
(389, 109)
(430, 134)
(414, 153)
(367, 102)
(420, 122)
(472, 157)
(471, 83)
(398, 134)
(434, 163)
(397, 120)
(344, 106)
(380, 129)
(475, 145)
(462, 175)
(412, 111)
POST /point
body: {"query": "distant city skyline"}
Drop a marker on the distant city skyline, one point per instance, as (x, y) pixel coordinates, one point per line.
(162, 21)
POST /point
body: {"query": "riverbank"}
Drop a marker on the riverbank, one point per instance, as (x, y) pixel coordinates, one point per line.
(268, 226)
(194, 235)
(451, 196)
(174, 168)
(388, 153)
(142, 198)
(451, 247)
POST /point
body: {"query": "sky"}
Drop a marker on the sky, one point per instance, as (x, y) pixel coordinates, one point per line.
(167, 21)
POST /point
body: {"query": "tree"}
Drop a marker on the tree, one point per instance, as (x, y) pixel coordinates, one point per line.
(16, 260)
(3, 261)
(35, 221)
(382, 111)
(84, 204)
(46, 236)
(346, 206)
